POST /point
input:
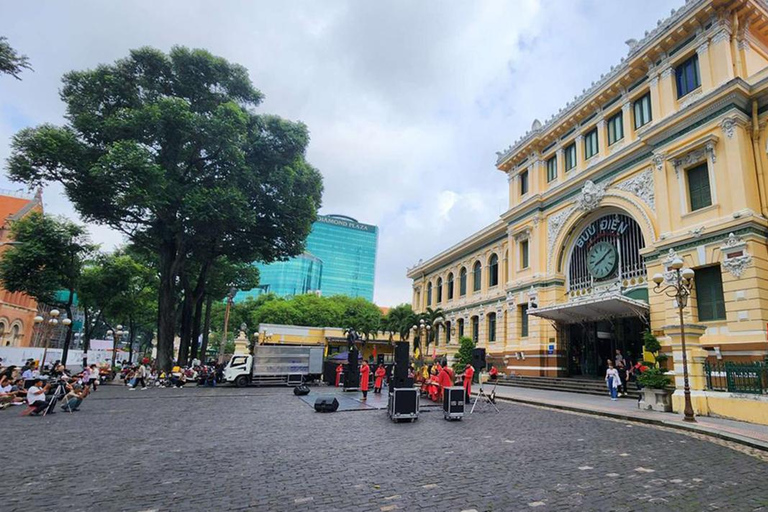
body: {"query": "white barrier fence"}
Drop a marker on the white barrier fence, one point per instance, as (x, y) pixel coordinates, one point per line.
(18, 355)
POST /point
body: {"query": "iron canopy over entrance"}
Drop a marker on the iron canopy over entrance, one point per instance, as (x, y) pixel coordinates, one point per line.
(593, 309)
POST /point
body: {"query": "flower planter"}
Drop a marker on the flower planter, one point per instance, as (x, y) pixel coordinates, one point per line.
(656, 400)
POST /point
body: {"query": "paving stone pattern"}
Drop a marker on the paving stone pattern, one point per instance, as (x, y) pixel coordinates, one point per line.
(264, 449)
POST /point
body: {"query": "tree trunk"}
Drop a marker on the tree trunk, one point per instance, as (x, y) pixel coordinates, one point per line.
(196, 325)
(206, 328)
(186, 323)
(166, 305)
(131, 326)
(68, 336)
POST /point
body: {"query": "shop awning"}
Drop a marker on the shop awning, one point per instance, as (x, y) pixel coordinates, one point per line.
(592, 309)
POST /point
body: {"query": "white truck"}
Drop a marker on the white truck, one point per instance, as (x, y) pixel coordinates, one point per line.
(276, 364)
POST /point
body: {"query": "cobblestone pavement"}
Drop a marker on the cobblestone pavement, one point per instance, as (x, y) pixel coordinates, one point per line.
(264, 449)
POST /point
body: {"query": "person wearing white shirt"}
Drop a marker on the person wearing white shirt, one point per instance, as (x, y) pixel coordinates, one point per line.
(612, 379)
(36, 399)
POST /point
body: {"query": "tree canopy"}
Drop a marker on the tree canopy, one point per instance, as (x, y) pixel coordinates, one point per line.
(11, 62)
(167, 148)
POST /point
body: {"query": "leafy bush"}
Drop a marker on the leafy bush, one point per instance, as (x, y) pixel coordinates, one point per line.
(464, 356)
(654, 378)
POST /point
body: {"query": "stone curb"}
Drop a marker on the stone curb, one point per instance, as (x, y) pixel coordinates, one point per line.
(726, 436)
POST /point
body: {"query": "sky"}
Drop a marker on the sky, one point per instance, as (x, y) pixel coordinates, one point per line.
(406, 102)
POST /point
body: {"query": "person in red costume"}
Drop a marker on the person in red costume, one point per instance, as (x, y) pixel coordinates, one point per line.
(469, 372)
(379, 374)
(339, 369)
(493, 373)
(444, 380)
(365, 374)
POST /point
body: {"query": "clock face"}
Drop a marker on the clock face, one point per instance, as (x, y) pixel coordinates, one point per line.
(601, 259)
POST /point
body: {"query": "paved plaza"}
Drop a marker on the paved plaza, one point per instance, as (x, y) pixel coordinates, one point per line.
(265, 449)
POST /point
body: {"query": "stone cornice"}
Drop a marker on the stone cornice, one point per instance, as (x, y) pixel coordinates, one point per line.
(637, 50)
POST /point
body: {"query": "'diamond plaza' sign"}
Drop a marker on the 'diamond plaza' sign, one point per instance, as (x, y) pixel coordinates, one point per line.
(345, 222)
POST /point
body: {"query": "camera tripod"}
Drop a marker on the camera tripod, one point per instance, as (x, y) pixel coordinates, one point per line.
(487, 399)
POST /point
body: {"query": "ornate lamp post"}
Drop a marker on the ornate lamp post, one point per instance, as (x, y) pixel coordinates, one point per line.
(116, 335)
(679, 287)
(422, 331)
(46, 328)
(230, 301)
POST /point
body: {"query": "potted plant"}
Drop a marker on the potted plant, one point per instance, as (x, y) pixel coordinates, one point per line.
(656, 390)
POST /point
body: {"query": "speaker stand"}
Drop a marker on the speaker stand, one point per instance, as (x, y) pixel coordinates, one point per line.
(486, 399)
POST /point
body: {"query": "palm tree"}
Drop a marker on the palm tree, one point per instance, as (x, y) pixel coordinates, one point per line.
(433, 318)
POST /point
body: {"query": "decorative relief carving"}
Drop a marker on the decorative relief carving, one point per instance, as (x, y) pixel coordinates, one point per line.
(590, 197)
(658, 161)
(737, 265)
(669, 274)
(690, 99)
(728, 125)
(736, 259)
(642, 186)
(694, 157)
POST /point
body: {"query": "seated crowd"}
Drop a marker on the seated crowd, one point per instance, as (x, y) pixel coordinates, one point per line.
(145, 376)
(41, 391)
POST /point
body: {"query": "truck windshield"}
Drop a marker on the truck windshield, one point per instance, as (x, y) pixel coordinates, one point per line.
(238, 360)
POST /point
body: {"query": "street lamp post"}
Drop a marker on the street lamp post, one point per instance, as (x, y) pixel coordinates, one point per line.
(46, 327)
(230, 300)
(422, 331)
(116, 335)
(679, 287)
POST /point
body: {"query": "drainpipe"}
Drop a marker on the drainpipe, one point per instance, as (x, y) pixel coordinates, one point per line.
(758, 161)
(735, 45)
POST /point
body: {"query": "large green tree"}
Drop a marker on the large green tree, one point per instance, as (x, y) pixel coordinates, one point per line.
(168, 149)
(120, 290)
(46, 258)
(12, 62)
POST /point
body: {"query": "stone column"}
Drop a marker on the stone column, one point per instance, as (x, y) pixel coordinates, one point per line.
(705, 71)
(696, 357)
(626, 121)
(579, 153)
(560, 164)
(655, 96)
(602, 138)
(667, 91)
(241, 344)
(722, 58)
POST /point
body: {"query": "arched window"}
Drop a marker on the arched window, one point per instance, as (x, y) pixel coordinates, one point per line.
(15, 335)
(460, 323)
(3, 327)
(463, 282)
(477, 276)
(447, 332)
(437, 335)
(491, 327)
(429, 294)
(475, 322)
(449, 285)
(493, 270)
(439, 290)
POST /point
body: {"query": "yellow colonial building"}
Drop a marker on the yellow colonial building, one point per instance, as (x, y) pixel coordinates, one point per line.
(664, 156)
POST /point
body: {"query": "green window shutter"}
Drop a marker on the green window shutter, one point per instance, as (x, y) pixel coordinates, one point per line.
(570, 157)
(477, 276)
(524, 253)
(709, 293)
(552, 169)
(698, 187)
(463, 282)
(492, 327)
(615, 128)
(524, 321)
(523, 183)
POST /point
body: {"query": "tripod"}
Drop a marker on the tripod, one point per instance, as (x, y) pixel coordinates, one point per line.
(487, 399)
(60, 391)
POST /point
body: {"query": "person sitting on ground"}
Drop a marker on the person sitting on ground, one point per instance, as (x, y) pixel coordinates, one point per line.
(36, 399)
(493, 373)
(73, 398)
(7, 394)
(95, 376)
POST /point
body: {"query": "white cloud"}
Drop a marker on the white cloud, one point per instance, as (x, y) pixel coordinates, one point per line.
(406, 101)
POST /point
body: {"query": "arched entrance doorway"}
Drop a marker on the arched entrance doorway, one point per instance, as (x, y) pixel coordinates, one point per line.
(607, 294)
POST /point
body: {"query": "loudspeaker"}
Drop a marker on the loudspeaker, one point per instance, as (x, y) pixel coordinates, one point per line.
(400, 382)
(301, 390)
(478, 359)
(379, 359)
(326, 404)
(401, 353)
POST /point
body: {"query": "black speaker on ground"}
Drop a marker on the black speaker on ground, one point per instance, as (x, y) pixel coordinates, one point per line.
(301, 390)
(379, 359)
(326, 404)
(478, 359)
(401, 353)
(352, 371)
(401, 382)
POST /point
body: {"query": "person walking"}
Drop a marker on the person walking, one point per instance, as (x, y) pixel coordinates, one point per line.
(94, 374)
(612, 380)
(339, 369)
(365, 373)
(379, 374)
(140, 376)
(469, 373)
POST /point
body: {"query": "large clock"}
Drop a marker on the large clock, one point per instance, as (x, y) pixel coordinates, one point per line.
(601, 259)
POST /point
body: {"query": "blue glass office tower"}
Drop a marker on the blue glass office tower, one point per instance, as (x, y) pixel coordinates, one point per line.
(340, 259)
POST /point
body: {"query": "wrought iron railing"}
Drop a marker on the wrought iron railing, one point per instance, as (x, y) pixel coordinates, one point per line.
(737, 377)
